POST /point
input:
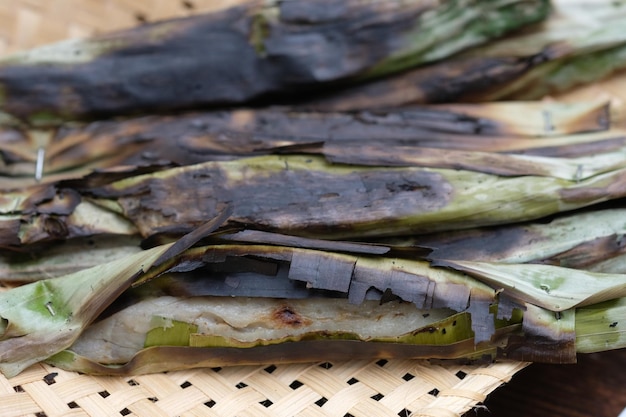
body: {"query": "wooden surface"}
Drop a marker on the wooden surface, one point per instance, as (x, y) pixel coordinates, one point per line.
(595, 386)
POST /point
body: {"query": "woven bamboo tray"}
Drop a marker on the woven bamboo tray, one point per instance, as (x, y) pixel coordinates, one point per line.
(357, 388)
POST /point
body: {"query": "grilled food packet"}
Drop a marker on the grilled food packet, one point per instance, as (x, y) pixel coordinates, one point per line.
(181, 305)
(247, 52)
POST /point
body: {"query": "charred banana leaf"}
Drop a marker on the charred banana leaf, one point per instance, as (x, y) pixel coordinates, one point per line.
(209, 306)
(549, 58)
(292, 331)
(300, 195)
(72, 150)
(246, 52)
(59, 312)
(593, 240)
(67, 305)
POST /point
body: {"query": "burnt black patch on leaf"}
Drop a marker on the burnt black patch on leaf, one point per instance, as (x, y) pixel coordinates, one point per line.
(313, 12)
(235, 264)
(215, 135)
(296, 200)
(543, 341)
(37, 196)
(182, 200)
(586, 254)
(485, 244)
(64, 203)
(229, 56)
(539, 348)
(144, 73)
(9, 233)
(436, 83)
(286, 200)
(54, 227)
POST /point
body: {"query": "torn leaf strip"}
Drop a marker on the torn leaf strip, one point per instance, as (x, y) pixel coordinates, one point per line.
(349, 275)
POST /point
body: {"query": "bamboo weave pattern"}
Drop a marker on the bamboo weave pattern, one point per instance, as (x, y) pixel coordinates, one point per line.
(373, 389)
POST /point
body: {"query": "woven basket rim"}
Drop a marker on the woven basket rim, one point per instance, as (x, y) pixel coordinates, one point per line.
(358, 388)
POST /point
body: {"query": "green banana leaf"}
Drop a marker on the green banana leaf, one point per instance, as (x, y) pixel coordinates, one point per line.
(45, 317)
(601, 325)
(41, 318)
(551, 287)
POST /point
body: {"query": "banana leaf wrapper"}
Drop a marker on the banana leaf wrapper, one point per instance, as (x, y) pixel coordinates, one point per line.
(66, 325)
(591, 239)
(546, 59)
(243, 53)
(73, 301)
(495, 312)
(300, 195)
(65, 257)
(72, 151)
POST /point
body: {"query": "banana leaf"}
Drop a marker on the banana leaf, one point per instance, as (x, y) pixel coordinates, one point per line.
(330, 328)
(551, 287)
(300, 195)
(39, 318)
(615, 264)
(58, 309)
(65, 257)
(552, 57)
(73, 150)
(587, 57)
(49, 315)
(244, 53)
(590, 239)
(600, 325)
(176, 315)
(573, 169)
(610, 89)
